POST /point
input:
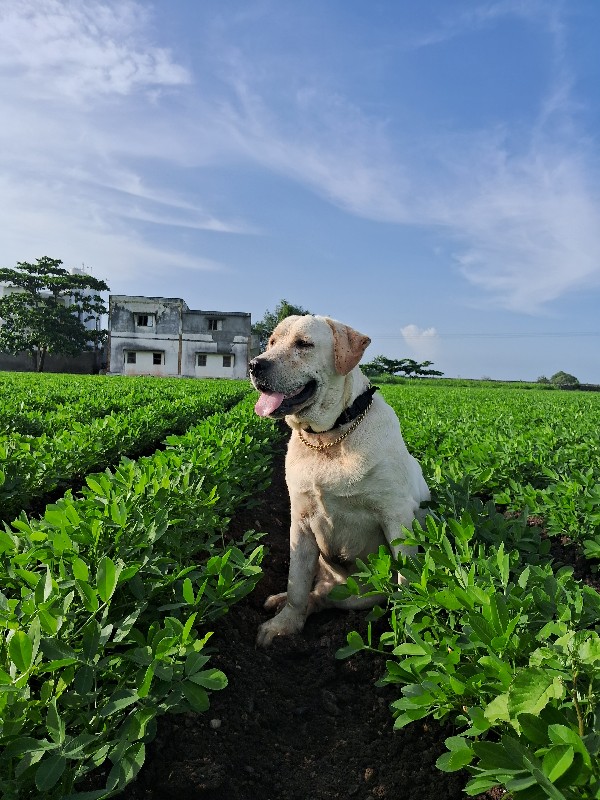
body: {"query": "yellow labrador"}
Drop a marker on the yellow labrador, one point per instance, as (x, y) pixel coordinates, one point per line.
(351, 480)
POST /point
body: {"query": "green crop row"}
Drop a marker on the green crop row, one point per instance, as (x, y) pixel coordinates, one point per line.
(534, 449)
(107, 604)
(31, 467)
(35, 404)
(485, 631)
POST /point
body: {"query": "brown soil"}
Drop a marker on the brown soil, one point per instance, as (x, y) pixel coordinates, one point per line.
(294, 723)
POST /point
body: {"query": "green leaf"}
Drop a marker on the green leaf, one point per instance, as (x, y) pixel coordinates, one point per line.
(84, 680)
(73, 747)
(531, 691)
(88, 595)
(20, 650)
(561, 734)
(533, 728)
(212, 679)
(188, 592)
(55, 724)
(460, 754)
(196, 696)
(446, 598)
(80, 569)
(557, 761)
(125, 770)
(355, 645)
(120, 699)
(106, 578)
(56, 650)
(94, 485)
(50, 771)
(480, 784)
(146, 683)
(194, 662)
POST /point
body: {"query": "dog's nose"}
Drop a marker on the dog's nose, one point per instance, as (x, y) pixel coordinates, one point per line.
(254, 366)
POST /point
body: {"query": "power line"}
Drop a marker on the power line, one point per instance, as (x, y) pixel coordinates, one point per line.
(422, 337)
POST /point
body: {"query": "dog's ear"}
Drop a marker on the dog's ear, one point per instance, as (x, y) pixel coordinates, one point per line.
(348, 346)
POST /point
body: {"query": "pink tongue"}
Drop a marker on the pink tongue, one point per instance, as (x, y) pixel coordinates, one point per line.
(267, 403)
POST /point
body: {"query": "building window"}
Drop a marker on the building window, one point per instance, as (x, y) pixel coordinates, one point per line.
(201, 360)
(157, 358)
(130, 357)
(215, 324)
(227, 361)
(144, 320)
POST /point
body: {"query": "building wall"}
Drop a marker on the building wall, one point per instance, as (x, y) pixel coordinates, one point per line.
(151, 325)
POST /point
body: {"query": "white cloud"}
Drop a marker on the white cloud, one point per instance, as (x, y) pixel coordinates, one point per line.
(422, 342)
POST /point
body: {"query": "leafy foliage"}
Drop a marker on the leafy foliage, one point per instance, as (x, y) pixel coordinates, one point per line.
(105, 606)
(47, 313)
(563, 379)
(485, 630)
(381, 365)
(92, 426)
(271, 319)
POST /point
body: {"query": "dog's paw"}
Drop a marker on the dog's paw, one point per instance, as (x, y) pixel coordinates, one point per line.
(285, 623)
(275, 602)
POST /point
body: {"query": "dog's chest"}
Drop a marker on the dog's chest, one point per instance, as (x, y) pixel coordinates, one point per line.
(338, 473)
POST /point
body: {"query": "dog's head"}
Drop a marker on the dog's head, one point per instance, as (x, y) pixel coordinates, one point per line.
(302, 371)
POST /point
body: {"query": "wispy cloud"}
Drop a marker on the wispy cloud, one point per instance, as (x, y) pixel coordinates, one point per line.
(83, 126)
(77, 50)
(517, 207)
(92, 103)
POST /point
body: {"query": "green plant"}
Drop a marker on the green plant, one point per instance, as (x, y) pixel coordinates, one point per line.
(106, 603)
(477, 637)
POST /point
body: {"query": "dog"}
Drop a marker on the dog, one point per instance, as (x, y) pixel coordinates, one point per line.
(351, 480)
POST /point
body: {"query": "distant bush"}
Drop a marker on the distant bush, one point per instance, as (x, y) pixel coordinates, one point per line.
(564, 379)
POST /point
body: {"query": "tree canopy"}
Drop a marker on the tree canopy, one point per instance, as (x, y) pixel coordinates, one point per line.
(381, 365)
(48, 311)
(264, 328)
(564, 379)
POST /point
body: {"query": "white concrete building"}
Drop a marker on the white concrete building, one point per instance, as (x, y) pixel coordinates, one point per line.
(162, 336)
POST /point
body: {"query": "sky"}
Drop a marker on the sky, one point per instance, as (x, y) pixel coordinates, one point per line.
(425, 171)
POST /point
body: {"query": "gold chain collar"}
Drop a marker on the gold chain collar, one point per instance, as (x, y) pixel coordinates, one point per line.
(352, 427)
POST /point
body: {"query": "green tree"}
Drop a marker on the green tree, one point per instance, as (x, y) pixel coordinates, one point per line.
(48, 311)
(264, 328)
(381, 365)
(564, 379)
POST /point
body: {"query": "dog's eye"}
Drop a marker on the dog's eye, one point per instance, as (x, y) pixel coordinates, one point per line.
(303, 344)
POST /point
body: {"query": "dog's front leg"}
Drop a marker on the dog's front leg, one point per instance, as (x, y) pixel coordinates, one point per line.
(304, 556)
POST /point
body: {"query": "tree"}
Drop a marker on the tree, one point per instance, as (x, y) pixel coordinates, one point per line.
(271, 319)
(392, 366)
(564, 379)
(48, 311)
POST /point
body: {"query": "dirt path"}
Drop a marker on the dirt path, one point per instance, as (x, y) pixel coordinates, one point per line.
(294, 723)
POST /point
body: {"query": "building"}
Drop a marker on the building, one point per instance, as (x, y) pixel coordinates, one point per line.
(162, 336)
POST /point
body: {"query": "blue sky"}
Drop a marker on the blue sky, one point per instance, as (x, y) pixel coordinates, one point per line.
(427, 172)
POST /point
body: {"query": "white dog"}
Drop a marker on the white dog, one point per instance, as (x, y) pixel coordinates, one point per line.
(352, 482)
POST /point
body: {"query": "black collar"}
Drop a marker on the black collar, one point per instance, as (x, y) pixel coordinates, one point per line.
(362, 402)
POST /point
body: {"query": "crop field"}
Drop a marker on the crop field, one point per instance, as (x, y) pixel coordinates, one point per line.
(116, 569)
